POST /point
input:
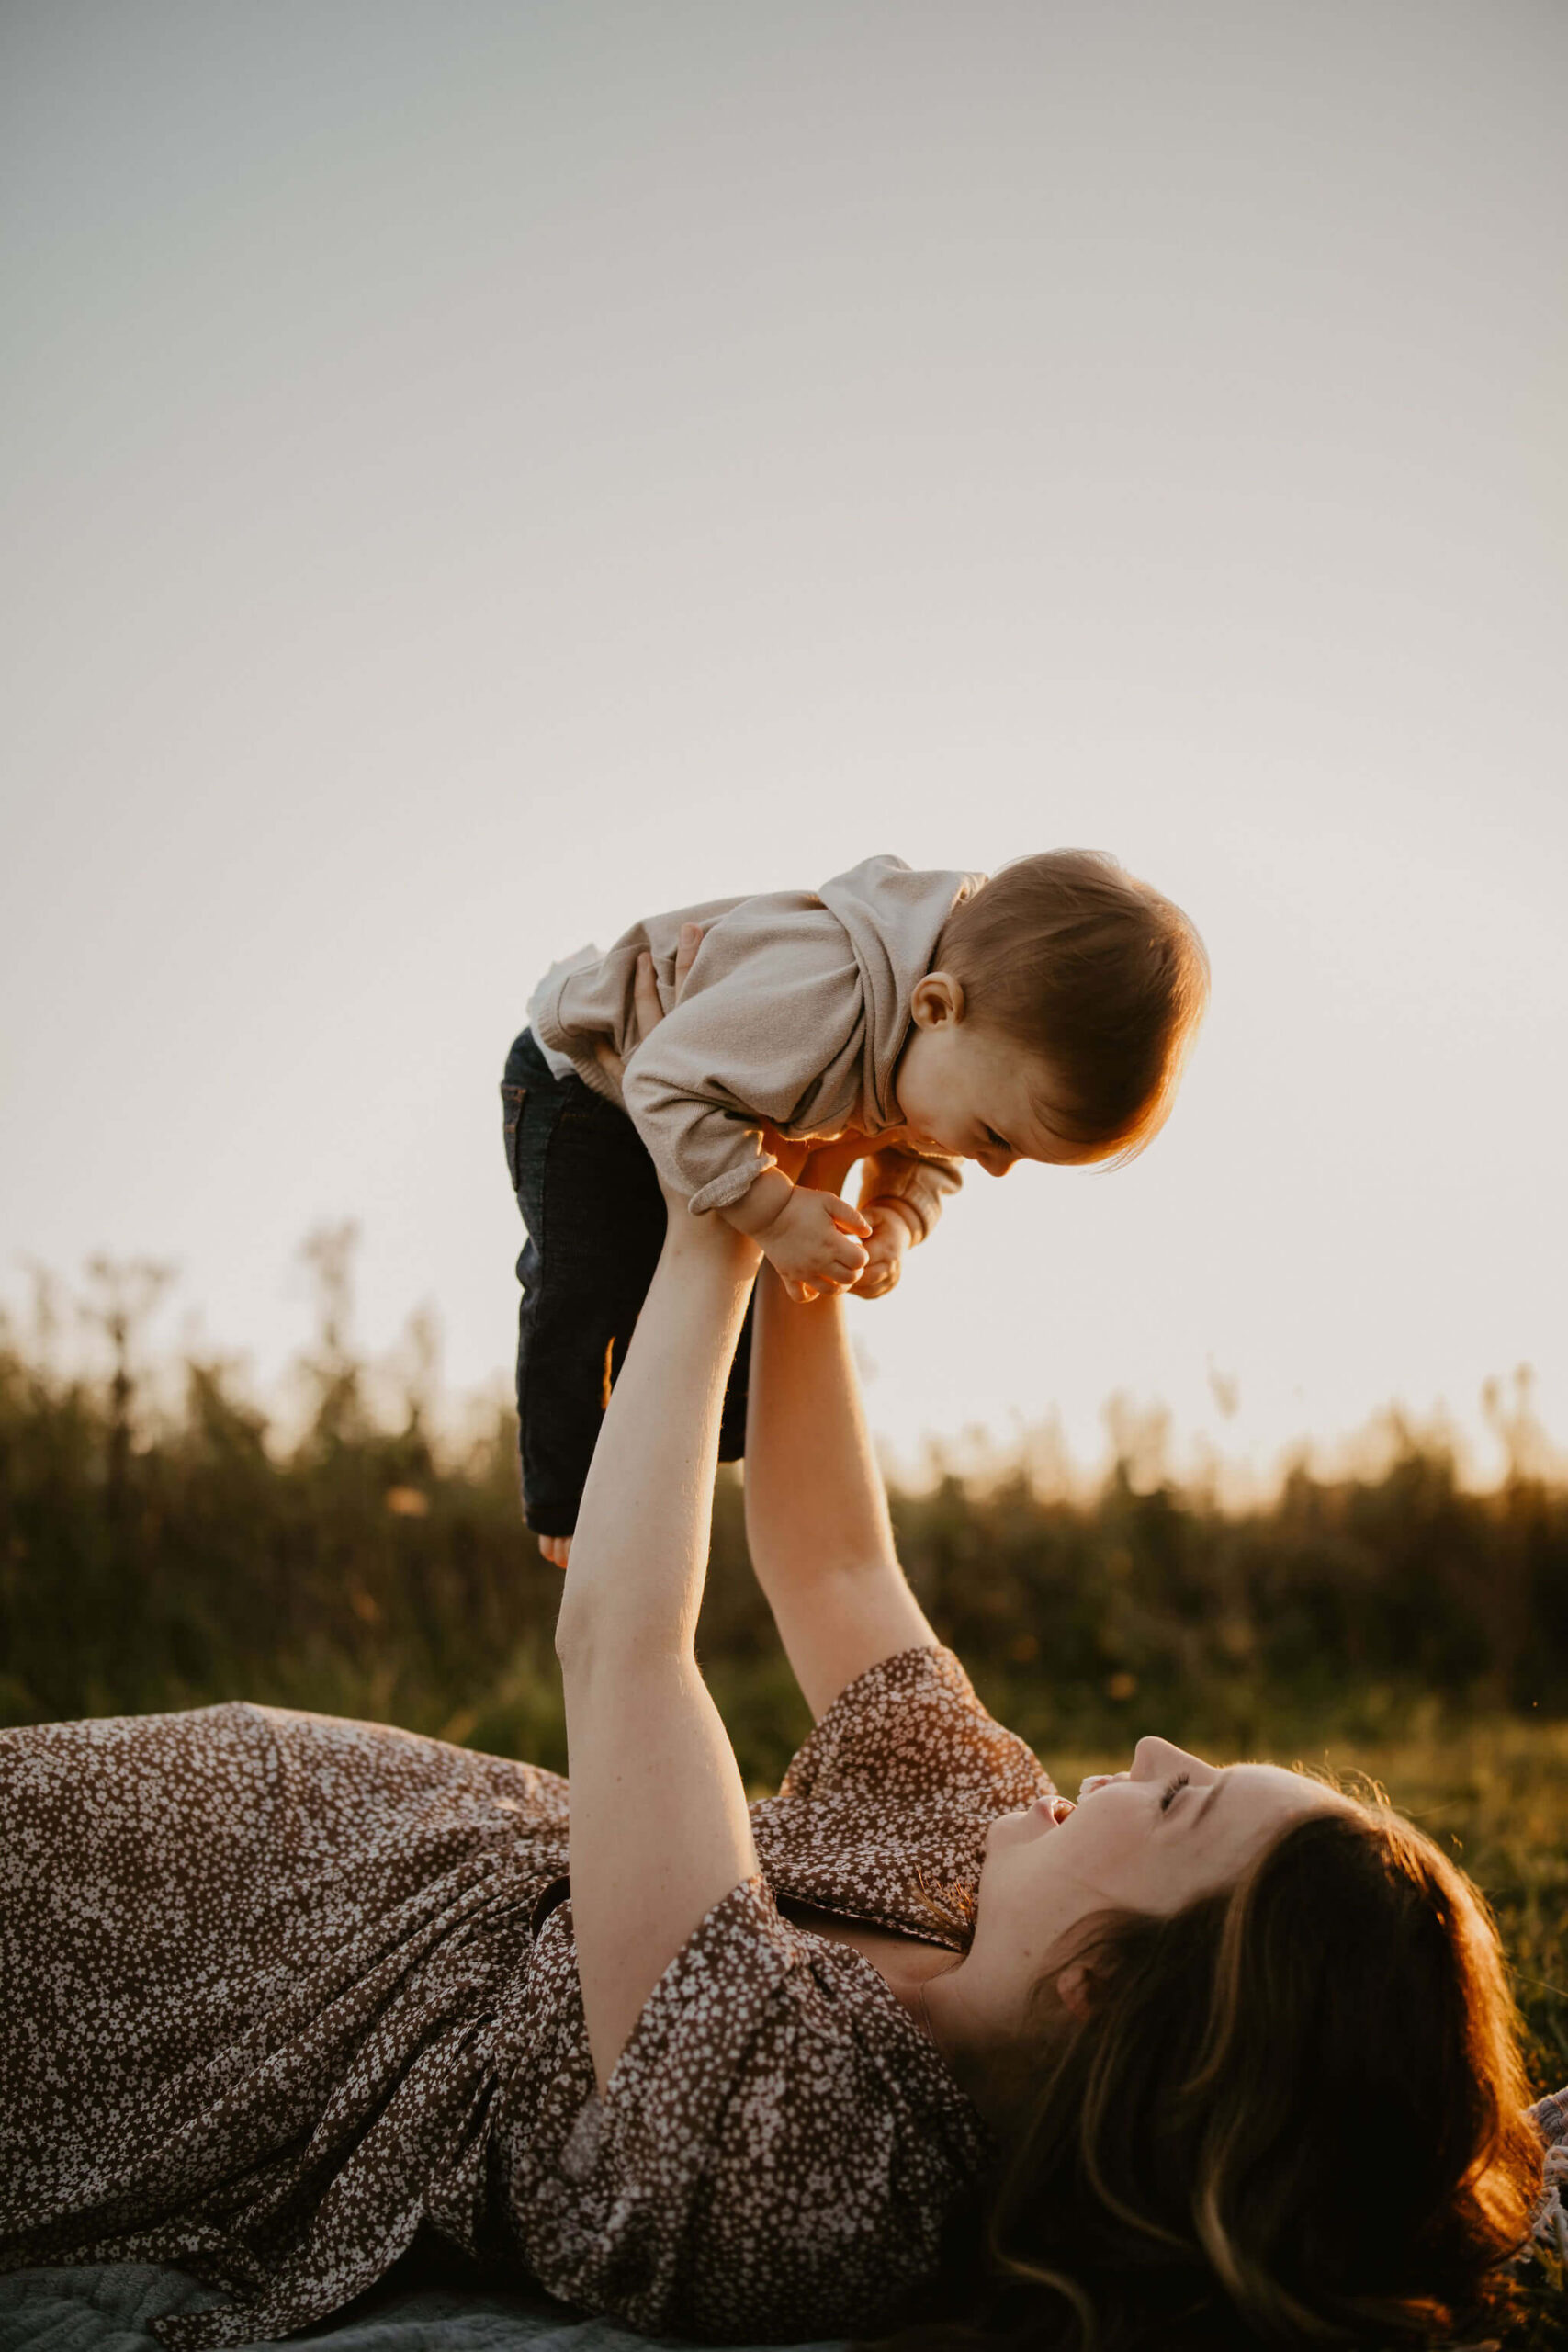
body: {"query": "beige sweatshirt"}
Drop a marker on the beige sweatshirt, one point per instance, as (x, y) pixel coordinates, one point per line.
(794, 1016)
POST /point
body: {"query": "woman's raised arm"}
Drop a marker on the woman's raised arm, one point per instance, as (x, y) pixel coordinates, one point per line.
(659, 1829)
(817, 1521)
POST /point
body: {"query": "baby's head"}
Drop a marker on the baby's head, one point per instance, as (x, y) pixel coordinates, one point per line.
(1056, 1017)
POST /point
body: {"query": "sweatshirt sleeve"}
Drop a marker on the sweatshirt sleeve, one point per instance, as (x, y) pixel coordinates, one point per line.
(767, 1041)
(916, 1186)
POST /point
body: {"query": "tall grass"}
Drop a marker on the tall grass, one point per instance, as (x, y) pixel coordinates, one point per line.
(165, 1540)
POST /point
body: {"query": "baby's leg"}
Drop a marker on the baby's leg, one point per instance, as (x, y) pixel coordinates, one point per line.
(595, 1222)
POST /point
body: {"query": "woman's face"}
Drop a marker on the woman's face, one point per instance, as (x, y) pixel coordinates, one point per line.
(1150, 1840)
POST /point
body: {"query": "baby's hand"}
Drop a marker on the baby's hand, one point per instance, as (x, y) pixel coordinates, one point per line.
(811, 1243)
(890, 1237)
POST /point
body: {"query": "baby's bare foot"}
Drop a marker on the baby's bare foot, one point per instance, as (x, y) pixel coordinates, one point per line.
(557, 1549)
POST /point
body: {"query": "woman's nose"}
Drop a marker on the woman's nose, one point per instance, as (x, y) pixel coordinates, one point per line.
(1153, 1756)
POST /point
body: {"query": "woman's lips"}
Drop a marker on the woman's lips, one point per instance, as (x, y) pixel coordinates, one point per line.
(1055, 1809)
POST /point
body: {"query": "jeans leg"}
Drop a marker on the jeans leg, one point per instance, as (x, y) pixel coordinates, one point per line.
(732, 1428)
(595, 1223)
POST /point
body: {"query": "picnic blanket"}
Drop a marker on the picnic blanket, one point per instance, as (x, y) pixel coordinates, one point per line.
(110, 2307)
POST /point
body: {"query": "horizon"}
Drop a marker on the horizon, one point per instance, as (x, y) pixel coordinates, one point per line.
(1138, 1435)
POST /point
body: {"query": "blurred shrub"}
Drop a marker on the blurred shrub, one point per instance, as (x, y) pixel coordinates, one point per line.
(155, 1558)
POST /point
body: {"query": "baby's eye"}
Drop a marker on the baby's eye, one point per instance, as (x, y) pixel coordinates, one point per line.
(1001, 1141)
(1171, 1787)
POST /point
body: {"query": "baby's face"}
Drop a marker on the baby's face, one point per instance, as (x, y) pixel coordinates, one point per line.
(969, 1095)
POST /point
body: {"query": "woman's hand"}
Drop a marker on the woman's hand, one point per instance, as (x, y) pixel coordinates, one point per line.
(646, 1003)
(650, 1011)
(802, 1241)
(709, 1234)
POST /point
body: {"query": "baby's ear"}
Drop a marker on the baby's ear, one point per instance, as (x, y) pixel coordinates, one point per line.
(937, 1000)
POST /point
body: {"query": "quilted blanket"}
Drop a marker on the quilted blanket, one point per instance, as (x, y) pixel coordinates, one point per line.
(111, 2307)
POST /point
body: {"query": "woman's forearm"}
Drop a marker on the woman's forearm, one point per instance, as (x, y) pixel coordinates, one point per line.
(817, 1521)
(814, 1494)
(639, 1553)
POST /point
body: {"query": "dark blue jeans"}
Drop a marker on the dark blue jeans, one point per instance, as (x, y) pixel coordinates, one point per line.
(595, 1222)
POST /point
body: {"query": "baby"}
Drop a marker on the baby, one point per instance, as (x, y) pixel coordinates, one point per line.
(1041, 1013)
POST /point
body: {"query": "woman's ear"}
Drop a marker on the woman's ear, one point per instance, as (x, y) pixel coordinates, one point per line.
(937, 1002)
(1077, 1989)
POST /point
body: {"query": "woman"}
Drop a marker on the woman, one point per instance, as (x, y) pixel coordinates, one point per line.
(1214, 2049)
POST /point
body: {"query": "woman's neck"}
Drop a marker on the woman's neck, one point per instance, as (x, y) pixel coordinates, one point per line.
(903, 1963)
(928, 1982)
(994, 2068)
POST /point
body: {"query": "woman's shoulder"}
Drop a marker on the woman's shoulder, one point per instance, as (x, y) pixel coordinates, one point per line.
(911, 1727)
(882, 1815)
(774, 2152)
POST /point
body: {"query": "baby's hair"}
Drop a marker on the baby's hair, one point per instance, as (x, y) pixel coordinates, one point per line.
(1075, 959)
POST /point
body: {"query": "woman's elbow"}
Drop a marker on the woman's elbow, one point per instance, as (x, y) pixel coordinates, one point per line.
(600, 1633)
(567, 1636)
(579, 1629)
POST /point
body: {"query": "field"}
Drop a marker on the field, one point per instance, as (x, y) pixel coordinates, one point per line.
(163, 1543)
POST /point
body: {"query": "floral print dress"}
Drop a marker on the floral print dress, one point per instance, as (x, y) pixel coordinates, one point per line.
(277, 1990)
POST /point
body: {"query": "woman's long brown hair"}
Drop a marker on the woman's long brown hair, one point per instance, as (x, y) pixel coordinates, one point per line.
(1293, 2116)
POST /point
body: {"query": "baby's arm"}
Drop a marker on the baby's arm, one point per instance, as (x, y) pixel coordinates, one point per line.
(901, 1196)
(808, 1237)
(901, 1200)
(891, 1234)
(715, 1080)
(895, 1224)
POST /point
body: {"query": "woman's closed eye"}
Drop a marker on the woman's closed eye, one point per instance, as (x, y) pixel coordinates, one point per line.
(1001, 1141)
(1170, 1789)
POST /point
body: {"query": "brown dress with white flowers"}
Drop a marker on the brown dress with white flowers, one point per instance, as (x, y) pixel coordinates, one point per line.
(277, 1989)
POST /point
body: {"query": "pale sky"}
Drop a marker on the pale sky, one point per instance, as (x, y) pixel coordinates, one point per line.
(479, 471)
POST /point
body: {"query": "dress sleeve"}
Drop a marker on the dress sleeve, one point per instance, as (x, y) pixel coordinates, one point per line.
(1550, 2116)
(911, 1727)
(776, 2148)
